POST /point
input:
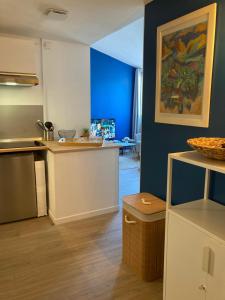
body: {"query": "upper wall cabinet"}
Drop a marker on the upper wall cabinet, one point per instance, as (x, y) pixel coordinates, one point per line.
(17, 55)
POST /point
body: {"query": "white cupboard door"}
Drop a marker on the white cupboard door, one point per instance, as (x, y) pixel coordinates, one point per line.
(216, 277)
(18, 55)
(184, 275)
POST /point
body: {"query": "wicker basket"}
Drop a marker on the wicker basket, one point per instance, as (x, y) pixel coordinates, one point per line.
(210, 147)
(143, 235)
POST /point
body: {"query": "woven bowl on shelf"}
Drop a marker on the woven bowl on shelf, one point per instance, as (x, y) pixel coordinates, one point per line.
(210, 147)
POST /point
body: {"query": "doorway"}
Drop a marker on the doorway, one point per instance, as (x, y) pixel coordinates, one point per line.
(116, 94)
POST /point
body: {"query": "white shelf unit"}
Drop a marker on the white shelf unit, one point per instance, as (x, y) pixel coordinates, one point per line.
(203, 212)
(193, 158)
(195, 239)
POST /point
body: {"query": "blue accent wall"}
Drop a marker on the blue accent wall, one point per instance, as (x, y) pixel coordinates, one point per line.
(161, 139)
(112, 86)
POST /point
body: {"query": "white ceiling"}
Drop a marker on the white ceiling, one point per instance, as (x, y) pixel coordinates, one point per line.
(87, 22)
(125, 44)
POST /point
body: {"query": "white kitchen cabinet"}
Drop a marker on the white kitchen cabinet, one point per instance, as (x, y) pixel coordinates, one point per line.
(194, 266)
(18, 55)
(215, 281)
(184, 273)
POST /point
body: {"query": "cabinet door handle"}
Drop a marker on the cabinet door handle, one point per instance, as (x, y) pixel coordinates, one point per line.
(206, 259)
(128, 221)
(202, 287)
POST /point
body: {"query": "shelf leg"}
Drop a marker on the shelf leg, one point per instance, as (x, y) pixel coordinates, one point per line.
(169, 182)
(207, 184)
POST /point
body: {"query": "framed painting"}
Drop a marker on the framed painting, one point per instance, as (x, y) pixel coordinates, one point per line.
(185, 50)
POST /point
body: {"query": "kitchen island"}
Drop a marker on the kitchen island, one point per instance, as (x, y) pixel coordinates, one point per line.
(82, 181)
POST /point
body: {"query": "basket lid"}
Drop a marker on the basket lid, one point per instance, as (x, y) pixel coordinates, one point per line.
(145, 203)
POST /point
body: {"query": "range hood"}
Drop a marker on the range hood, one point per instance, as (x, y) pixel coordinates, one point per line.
(18, 79)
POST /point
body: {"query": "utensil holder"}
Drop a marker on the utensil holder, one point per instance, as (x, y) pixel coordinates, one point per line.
(48, 135)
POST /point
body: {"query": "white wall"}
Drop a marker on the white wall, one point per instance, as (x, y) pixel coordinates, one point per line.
(125, 44)
(23, 95)
(66, 73)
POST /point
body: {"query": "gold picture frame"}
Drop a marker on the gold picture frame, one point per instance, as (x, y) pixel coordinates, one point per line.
(185, 50)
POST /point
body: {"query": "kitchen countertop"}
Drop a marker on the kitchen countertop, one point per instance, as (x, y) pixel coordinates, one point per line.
(25, 149)
(56, 148)
(20, 149)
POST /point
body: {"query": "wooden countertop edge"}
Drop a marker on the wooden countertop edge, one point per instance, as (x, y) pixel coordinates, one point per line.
(25, 149)
(80, 149)
(58, 148)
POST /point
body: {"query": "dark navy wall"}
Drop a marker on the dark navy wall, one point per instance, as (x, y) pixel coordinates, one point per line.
(160, 139)
(112, 85)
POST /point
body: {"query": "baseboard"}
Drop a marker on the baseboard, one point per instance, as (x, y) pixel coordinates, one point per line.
(82, 216)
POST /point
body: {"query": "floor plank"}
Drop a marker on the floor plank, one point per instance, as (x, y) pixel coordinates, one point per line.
(75, 261)
(78, 260)
(129, 175)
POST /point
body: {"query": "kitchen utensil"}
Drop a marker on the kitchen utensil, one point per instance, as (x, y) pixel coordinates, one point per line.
(48, 125)
(41, 124)
(68, 134)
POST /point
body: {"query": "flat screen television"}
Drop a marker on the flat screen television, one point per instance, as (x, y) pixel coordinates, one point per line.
(105, 128)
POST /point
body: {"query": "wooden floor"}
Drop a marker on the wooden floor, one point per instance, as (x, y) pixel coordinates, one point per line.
(78, 260)
(129, 175)
(75, 261)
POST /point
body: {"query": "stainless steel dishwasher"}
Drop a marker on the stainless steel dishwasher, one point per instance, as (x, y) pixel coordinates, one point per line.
(17, 187)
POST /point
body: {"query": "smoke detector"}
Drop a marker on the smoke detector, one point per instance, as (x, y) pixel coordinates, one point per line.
(57, 14)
